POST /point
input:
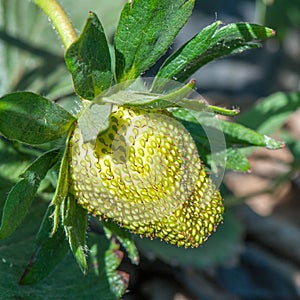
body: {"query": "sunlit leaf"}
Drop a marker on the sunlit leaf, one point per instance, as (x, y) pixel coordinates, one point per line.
(211, 44)
(145, 31)
(88, 60)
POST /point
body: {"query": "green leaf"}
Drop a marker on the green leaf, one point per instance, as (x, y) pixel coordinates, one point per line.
(50, 251)
(66, 282)
(94, 118)
(235, 134)
(235, 159)
(240, 135)
(21, 196)
(32, 119)
(118, 280)
(220, 247)
(189, 52)
(208, 45)
(75, 225)
(107, 11)
(124, 237)
(270, 114)
(207, 132)
(31, 53)
(88, 60)
(145, 31)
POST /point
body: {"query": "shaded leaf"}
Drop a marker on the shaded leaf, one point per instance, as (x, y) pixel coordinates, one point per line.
(235, 159)
(66, 281)
(88, 60)
(50, 251)
(124, 237)
(118, 280)
(269, 114)
(145, 31)
(75, 225)
(12, 164)
(208, 45)
(32, 119)
(22, 194)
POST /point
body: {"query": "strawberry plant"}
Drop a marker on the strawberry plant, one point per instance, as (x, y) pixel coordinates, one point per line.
(129, 156)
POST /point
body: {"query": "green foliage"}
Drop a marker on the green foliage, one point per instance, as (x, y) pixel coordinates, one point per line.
(50, 250)
(145, 31)
(210, 44)
(124, 237)
(75, 225)
(271, 113)
(62, 188)
(21, 196)
(16, 250)
(118, 280)
(88, 60)
(236, 135)
(32, 119)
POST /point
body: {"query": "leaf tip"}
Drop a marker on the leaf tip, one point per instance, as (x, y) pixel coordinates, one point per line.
(270, 32)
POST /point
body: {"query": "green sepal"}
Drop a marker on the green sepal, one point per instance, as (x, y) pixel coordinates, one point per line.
(32, 119)
(146, 99)
(208, 45)
(50, 251)
(62, 186)
(224, 111)
(94, 119)
(112, 229)
(118, 280)
(145, 31)
(20, 198)
(88, 59)
(75, 226)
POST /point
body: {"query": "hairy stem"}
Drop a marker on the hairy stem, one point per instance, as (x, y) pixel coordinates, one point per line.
(59, 19)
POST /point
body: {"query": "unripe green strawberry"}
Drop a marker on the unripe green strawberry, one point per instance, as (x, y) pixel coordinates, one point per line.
(145, 173)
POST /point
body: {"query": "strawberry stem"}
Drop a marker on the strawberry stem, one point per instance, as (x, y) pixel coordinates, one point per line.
(59, 19)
